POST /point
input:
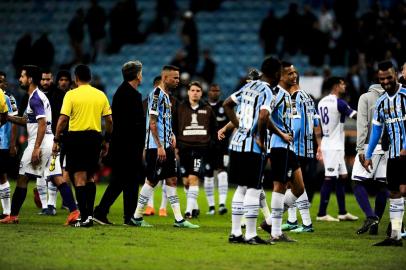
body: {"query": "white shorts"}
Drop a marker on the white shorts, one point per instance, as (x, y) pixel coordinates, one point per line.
(26, 168)
(378, 171)
(334, 163)
(57, 168)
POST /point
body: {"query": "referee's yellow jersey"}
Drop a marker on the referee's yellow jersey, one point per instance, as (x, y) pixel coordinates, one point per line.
(3, 104)
(85, 106)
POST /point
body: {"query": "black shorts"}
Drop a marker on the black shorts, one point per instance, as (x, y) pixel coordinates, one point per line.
(394, 175)
(283, 163)
(83, 151)
(192, 161)
(308, 166)
(4, 161)
(246, 169)
(215, 161)
(156, 170)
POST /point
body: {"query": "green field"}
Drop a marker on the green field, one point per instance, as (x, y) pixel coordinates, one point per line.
(40, 242)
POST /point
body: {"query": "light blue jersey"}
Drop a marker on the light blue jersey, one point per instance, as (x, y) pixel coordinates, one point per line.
(250, 99)
(281, 117)
(159, 105)
(304, 119)
(391, 112)
(5, 130)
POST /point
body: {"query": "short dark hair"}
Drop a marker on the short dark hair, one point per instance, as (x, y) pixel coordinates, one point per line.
(33, 72)
(333, 81)
(195, 83)
(46, 70)
(2, 73)
(214, 85)
(130, 70)
(385, 65)
(63, 73)
(83, 73)
(170, 68)
(286, 64)
(270, 66)
(156, 80)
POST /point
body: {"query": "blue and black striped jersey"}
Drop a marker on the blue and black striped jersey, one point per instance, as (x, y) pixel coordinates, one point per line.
(159, 105)
(281, 117)
(391, 112)
(304, 118)
(250, 99)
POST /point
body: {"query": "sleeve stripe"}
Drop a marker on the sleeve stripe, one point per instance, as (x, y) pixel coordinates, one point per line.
(376, 123)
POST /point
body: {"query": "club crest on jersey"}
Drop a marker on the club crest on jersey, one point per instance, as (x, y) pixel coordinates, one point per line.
(194, 119)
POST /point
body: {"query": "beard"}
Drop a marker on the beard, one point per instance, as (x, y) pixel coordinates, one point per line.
(24, 86)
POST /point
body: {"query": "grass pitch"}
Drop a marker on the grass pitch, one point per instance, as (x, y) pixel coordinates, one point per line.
(41, 242)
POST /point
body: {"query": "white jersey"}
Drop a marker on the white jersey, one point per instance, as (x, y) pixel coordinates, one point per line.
(332, 111)
(38, 107)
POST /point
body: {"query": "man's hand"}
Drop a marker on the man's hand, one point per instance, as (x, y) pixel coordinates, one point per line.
(319, 155)
(367, 165)
(403, 153)
(161, 154)
(361, 158)
(105, 149)
(261, 145)
(287, 137)
(36, 156)
(55, 149)
(13, 151)
(173, 141)
(221, 133)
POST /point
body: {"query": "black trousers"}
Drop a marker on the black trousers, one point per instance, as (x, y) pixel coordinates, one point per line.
(124, 179)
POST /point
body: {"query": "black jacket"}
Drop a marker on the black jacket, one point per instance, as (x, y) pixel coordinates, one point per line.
(128, 125)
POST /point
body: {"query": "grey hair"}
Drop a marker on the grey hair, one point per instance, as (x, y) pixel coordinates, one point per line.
(131, 69)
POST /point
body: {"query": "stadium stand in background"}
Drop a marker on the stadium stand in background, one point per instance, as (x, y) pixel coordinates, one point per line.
(229, 31)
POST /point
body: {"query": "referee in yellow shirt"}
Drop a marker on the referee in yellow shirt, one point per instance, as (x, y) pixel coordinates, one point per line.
(3, 108)
(84, 108)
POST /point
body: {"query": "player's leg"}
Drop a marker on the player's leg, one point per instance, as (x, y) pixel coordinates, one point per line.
(52, 195)
(330, 177)
(4, 184)
(208, 183)
(222, 177)
(343, 215)
(42, 189)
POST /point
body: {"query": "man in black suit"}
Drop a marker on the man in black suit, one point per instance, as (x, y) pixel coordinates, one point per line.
(127, 145)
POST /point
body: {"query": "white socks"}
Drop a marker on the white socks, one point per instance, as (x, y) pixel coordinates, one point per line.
(303, 204)
(237, 210)
(277, 213)
(223, 186)
(42, 191)
(174, 201)
(143, 198)
(209, 190)
(52, 192)
(5, 198)
(192, 195)
(164, 199)
(264, 205)
(251, 209)
(396, 210)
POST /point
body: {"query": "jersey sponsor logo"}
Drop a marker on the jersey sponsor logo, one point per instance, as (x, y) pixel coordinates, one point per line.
(194, 132)
(202, 111)
(396, 119)
(330, 169)
(221, 110)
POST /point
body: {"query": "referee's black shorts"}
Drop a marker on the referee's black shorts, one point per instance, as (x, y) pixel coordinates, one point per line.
(83, 151)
